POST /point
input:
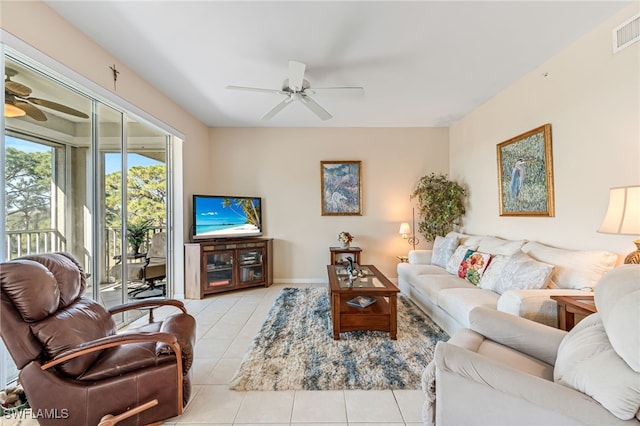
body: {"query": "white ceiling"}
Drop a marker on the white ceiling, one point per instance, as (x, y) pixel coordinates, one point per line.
(422, 63)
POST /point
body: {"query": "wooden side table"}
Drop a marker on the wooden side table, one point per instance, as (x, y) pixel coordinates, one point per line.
(338, 252)
(569, 306)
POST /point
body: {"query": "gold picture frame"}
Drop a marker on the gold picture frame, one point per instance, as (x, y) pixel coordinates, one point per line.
(341, 188)
(525, 174)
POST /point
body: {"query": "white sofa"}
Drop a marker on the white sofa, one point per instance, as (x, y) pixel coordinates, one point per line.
(519, 279)
(506, 370)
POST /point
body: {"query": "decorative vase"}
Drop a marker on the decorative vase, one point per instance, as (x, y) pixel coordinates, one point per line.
(345, 244)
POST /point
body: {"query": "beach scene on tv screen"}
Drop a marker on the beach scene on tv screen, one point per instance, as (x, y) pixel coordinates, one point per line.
(222, 216)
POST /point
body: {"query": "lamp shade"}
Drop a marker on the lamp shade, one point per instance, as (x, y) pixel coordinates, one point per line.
(405, 229)
(623, 213)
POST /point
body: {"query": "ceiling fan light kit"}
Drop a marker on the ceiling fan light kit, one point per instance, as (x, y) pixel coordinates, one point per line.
(18, 103)
(296, 88)
(11, 111)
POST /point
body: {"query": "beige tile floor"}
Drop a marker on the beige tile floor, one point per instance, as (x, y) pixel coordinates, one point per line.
(226, 325)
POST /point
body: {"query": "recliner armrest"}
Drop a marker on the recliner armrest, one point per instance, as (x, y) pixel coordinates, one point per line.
(114, 340)
(529, 337)
(156, 303)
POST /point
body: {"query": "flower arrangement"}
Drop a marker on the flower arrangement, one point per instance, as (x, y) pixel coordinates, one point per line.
(345, 237)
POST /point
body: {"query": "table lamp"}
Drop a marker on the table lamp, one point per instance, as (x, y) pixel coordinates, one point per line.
(623, 216)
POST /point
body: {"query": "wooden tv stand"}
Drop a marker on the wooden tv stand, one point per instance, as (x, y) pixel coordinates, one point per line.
(224, 265)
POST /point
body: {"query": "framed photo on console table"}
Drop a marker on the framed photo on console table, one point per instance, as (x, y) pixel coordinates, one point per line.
(525, 174)
(341, 188)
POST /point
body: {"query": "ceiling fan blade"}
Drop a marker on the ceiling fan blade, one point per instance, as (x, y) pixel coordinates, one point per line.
(31, 110)
(276, 109)
(352, 89)
(296, 75)
(58, 107)
(16, 88)
(257, 89)
(315, 108)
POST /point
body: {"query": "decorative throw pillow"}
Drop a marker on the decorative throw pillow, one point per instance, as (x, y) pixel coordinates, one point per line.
(522, 272)
(454, 261)
(473, 265)
(493, 272)
(443, 248)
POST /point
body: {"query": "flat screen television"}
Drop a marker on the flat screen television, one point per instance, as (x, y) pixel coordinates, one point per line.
(218, 216)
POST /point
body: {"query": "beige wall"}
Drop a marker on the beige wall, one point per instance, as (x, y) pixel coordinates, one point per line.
(283, 166)
(591, 97)
(67, 45)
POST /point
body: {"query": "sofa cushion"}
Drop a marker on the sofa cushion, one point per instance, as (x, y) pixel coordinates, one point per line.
(522, 272)
(443, 248)
(458, 302)
(430, 285)
(411, 272)
(617, 298)
(588, 363)
(577, 269)
(500, 246)
(473, 265)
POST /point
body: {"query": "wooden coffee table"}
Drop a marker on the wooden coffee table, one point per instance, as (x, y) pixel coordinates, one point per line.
(379, 316)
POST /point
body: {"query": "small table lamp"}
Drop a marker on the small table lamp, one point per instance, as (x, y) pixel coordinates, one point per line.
(623, 216)
(405, 230)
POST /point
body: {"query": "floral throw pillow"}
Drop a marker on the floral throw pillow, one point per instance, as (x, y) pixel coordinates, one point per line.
(473, 266)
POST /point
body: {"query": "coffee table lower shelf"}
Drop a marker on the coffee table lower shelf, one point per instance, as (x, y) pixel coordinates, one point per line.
(375, 317)
(379, 316)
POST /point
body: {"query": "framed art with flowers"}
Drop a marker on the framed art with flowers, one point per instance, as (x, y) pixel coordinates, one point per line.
(341, 188)
(525, 174)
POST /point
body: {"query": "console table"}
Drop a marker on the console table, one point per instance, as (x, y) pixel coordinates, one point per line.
(338, 253)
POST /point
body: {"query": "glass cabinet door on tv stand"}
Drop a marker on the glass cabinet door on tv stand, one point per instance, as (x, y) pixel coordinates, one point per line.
(219, 269)
(250, 266)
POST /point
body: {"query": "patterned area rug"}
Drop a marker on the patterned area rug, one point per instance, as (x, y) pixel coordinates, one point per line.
(295, 350)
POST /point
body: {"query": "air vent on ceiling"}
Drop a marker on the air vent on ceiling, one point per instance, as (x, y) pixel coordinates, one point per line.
(626, 34)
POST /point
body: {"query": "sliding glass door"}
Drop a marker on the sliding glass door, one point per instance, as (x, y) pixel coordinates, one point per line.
(84, 176)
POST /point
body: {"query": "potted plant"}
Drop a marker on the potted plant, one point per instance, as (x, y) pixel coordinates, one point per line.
(441, 205)
(137, 234)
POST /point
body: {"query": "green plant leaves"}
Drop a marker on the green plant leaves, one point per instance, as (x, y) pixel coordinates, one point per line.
(441, 205)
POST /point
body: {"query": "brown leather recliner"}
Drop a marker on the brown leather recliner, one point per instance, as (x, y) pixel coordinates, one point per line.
(74, 367)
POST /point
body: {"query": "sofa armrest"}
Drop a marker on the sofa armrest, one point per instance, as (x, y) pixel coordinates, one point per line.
(536, 305)
(502, 379)
(420, 257)
(531, 338)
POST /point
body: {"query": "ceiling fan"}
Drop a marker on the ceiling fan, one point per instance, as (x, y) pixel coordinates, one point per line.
(296, 88)
(18, 103)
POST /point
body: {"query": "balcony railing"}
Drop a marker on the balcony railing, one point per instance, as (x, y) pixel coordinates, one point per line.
(25, 242)
(22, 243)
